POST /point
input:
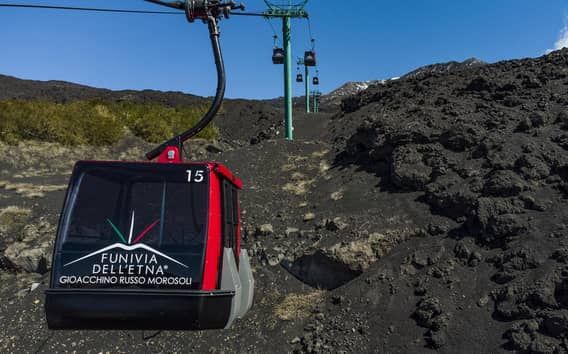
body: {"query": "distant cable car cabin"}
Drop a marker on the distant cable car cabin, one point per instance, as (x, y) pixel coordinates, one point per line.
(316, 80)
(299, 78)
(277, 53)
(310, 58)
(153, 245)
(278, 56)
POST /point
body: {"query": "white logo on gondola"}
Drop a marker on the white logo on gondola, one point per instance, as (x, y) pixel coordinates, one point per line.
(129, 247)
(126, 248)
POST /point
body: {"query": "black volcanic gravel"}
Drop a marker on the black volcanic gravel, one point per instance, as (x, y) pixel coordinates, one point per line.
(428, 214)
(486, 148)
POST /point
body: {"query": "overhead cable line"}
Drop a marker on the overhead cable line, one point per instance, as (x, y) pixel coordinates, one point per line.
(91, 9)
(312, 40)
(271, 26)
(310, 28)
(275, 35)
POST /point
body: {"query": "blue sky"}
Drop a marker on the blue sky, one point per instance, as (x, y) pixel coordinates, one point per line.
(363, 40)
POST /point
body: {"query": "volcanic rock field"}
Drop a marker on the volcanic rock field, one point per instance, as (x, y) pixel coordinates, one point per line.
(426, 214)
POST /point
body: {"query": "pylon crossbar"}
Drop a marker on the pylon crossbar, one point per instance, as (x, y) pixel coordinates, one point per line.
(286, 4)
(298, 13)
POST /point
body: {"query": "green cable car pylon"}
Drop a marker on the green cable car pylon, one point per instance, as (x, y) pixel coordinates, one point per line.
(287, 9)
(306, 80)
(316, 95)
(309, 60)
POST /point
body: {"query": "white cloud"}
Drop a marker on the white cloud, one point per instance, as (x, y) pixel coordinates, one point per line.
(562, 41)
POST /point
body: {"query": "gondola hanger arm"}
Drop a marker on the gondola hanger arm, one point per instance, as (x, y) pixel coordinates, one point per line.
(210, 12)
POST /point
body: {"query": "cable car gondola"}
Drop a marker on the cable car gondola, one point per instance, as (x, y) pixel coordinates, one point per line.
(278, 56)
(299, 78)
(277, 53)
(316, 80)
(310, 58)
(153, 245)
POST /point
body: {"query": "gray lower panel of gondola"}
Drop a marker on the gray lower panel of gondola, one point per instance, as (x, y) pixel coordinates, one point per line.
(145, 309)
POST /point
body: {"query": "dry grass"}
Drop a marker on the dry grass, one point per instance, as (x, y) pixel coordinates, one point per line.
(337, 195)
(32, 172)
(299, 184)
(324, 166)
(42, 156)
(13, 217)
(320, 154)
(288, 167)
(298, 306)
(297, 159)
(13, 210)
(360, 254)
(297, 176)
(299, 187)
(29, 190)
(41, 159)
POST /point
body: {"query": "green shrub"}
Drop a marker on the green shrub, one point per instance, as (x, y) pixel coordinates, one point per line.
(156, 123)
(95, 123)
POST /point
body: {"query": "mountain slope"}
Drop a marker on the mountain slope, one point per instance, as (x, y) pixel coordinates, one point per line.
(353, 88)
(426, 215)
(441, 68)
(61, 91)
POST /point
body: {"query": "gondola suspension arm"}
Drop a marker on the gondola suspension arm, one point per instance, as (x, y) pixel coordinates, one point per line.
(209, 12)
